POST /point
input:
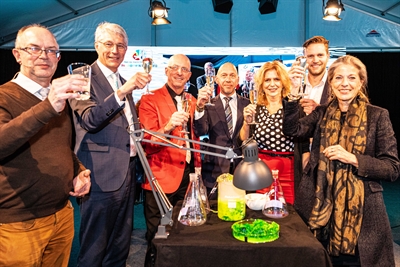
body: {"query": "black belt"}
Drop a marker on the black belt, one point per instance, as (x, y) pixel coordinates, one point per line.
(272, 154)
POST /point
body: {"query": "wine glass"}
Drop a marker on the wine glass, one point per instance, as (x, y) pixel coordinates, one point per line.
(147, 64)
(210, 79)
(186, 104)
(253, 94)
(299, 92)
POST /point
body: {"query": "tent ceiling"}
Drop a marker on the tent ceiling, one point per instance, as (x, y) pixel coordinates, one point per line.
(16, 13)
(385, 9)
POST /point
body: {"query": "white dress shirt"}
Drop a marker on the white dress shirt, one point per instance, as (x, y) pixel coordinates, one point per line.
(29, 85)
(232, 103)
(315, 93)
(115, 82)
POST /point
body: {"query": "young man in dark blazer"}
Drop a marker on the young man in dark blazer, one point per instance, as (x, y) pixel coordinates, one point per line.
(316, 51)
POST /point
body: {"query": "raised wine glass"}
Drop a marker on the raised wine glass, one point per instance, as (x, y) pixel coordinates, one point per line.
(210, 80)
(186, 104)
(147, 64)
(253, 94)
(299, 91)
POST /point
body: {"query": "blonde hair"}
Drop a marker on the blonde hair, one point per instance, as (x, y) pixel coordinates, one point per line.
(355, 62)
(282, 74)
(317, 40)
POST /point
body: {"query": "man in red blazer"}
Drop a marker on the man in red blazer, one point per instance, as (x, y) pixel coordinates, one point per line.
(161, 112)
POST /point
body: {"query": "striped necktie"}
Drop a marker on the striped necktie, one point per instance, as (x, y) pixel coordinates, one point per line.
(228, 115)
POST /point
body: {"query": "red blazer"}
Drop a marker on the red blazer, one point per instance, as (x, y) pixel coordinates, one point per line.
(166, 163)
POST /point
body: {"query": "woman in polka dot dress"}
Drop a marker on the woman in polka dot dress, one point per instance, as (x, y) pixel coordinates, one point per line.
(278, 151)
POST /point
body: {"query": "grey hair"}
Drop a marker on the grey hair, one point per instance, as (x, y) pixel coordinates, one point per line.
(105, 27)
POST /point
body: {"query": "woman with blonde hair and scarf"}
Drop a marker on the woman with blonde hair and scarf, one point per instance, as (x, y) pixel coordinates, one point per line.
(354, 148)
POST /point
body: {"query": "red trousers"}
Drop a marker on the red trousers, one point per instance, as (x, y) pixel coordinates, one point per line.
(284, 163)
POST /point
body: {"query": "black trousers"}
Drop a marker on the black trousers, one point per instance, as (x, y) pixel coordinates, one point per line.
(152, 212)
(106, 224)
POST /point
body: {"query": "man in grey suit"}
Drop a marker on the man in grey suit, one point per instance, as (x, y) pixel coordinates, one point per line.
(222, 130)
(104, 145)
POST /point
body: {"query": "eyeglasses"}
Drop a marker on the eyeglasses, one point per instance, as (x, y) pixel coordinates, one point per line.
(36, 51)
(110, 45)
(175, 68)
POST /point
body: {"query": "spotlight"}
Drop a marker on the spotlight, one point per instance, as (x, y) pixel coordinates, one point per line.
(332, 10)
(159, 12)
(222, 6)
(267, 6)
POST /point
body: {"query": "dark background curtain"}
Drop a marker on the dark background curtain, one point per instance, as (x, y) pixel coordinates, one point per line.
(383, 75)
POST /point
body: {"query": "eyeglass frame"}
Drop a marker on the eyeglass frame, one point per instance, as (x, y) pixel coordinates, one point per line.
(110, 45)
(35, 51)
(175, 68)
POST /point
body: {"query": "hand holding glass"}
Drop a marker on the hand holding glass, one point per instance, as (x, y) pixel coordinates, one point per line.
(210, 79)
(298, 92)
(85, 70)
(186, 104)
(253, 93)
(147, 63)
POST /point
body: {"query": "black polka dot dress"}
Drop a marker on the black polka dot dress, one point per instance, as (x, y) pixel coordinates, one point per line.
(268, 131)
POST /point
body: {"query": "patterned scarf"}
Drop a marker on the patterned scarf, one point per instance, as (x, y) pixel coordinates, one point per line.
(339, 197)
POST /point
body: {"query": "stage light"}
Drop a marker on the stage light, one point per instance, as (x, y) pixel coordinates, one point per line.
(332, 10)
(222, 6)
(159, 12)
(267, 6)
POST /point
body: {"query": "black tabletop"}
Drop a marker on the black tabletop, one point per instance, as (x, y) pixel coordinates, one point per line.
(212, 244)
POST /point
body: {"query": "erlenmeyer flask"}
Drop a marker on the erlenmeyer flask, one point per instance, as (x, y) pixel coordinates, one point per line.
(203, 189)
(276, 206)
(193, 212)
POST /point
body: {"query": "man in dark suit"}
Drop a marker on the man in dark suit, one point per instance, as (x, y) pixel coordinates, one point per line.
(316, 51)
(104, 145)
(212, 120)
(201, 81)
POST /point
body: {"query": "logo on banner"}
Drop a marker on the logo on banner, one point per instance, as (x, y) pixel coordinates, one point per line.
(136, 55)
(373, 33)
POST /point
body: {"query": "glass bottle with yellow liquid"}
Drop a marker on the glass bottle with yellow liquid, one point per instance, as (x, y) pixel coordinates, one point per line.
(231, 200)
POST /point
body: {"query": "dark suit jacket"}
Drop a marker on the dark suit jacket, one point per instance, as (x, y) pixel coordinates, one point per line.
(201, 81)
(379, 162)
(214, 124)
(325, 97)
(325, 94)
(102, 140)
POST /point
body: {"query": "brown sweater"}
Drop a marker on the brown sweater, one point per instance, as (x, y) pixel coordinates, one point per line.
(37, 164)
